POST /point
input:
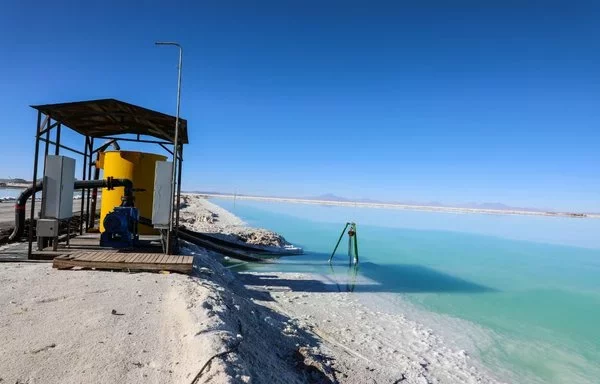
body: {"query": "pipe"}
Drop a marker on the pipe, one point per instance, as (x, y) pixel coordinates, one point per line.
(109, 183)
(92, 215)
(203, 236)
(223, 250)
(175, 139)
(102, 148)
(84, 172)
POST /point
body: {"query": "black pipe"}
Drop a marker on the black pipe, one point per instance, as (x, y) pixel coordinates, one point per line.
(102, 148)
(109, 183)
(223, 250)
(213, 240)
(92, 214)
(84, 171)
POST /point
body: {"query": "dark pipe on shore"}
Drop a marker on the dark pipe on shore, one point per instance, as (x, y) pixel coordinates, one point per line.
(109, 183)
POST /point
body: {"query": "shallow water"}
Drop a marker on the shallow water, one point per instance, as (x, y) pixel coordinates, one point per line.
(531, 283)
(9, 193)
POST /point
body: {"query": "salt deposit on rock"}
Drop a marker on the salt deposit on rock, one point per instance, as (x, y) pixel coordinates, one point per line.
(200, 215)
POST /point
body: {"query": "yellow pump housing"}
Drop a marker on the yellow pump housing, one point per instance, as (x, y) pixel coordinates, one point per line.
(138, 167)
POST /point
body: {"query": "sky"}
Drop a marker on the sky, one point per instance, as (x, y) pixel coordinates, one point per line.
(454, 102)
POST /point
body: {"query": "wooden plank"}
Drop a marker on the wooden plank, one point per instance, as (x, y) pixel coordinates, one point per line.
(76, 254)
(120, 257)
(131, 257)
(179, 260)
(107, 258)
(143, 257)
(169, 259)
(184, 268)
(90, 255)
(160, 259)
(101, 256)
(154, 258)
(135, 257)
(163, 259)
(151, 257)
(87, 255)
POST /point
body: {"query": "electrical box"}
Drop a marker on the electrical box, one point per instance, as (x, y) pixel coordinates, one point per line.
(59, 180)
(47, 228)
(163, 190)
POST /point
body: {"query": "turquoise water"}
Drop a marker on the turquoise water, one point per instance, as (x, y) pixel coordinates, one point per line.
(12, 193)
(531, 283)
(9, 193)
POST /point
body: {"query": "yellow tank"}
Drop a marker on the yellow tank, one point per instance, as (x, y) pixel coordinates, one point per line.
(137, 167)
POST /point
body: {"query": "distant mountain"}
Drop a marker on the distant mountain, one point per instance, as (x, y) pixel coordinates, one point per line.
(368, 201)
(332, 197)
(206, 192)
(328, 197)
(473, 205)
(498, 206)
(15, 181)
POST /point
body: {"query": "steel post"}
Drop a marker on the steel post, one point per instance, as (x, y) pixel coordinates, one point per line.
(57, 144)
(175, 145)
(46, 146)
(33, 182)
(179, 189)
(85, 152)
(89, 176)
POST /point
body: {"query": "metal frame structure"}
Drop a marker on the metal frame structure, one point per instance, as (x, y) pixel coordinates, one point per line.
(101, 124)
(352, 243)
(175, 194)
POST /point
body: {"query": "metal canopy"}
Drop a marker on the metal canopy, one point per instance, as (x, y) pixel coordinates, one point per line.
(106, 117)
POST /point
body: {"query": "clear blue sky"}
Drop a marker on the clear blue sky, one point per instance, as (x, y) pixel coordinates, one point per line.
(469, 102)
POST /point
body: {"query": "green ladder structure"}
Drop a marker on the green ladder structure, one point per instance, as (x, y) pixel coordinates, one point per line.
(352, 243)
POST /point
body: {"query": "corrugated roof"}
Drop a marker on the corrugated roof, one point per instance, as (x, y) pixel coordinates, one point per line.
(107, 117)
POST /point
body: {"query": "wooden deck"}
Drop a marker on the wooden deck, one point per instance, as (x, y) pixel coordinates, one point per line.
(85, 252)
(114, 260)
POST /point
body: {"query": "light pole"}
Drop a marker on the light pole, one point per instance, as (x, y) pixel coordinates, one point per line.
(175, 141)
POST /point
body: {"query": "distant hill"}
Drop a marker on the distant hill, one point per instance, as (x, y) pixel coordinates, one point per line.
(499, 207)
(486, 205)
(333, 197)
(328, 197)
(15, 181)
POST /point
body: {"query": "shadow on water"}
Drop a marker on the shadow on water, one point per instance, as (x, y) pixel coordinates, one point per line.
(366, 277)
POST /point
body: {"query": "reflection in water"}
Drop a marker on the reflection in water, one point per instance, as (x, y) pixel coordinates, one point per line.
(352, 272)
(539, 301)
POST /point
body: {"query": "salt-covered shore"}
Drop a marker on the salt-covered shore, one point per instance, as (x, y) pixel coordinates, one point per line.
(215, 326)
(199, 214)
(367, 343)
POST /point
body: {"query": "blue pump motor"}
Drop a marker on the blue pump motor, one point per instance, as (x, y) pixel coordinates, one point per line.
(120, 228)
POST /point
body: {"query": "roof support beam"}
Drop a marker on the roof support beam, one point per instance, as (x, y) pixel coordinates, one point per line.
(104, 146)
(41, 130)
(49, 127)
(165, 148)
(133, 140)
(62, 146)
